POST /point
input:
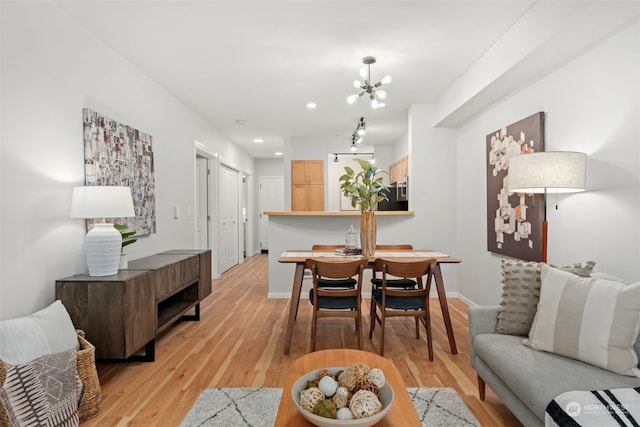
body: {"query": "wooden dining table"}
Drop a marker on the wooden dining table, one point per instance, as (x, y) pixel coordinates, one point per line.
(300, 257)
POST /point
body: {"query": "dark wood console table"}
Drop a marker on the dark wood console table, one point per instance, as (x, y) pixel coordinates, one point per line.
(122, 314)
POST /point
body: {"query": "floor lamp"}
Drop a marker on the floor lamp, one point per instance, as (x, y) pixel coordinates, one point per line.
(547, 173)
(103, 242)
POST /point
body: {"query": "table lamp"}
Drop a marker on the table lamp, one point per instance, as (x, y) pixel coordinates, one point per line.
(547, 172)
(103, 242)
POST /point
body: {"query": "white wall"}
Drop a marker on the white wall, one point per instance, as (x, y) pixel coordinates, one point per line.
(269, 167)
(591, 105)
(432, 189)
(51, 69)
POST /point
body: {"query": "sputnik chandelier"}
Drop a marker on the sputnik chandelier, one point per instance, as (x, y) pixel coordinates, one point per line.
(367, 87)
(356, 138)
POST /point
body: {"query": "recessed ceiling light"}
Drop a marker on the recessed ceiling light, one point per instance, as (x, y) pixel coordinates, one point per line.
(311, 105)
(240, 121)
(258, 140)
(278, 153)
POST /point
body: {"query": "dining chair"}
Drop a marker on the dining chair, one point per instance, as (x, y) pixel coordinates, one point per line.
(404, 283)
(323, 282)
(392, 302)
(335, 301)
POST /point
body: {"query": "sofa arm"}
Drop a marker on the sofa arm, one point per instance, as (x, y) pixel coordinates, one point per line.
(482, 320)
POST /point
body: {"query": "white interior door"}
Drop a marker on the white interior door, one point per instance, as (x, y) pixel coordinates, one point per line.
(202, 200)
(271, 198)
(228, 227)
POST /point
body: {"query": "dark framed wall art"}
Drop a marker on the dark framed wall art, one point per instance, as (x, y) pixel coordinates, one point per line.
(514, 220)
(117, 154)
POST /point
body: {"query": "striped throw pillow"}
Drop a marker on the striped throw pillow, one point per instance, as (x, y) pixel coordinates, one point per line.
(592, 320)
(521, 293)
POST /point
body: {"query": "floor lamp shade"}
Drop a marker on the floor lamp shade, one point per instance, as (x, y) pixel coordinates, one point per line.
(103, 242)
(547, 172)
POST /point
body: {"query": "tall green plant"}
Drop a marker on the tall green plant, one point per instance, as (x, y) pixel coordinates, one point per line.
(365, 188)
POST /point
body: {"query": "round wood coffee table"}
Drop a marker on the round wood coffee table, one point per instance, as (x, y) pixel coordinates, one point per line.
(401, 414)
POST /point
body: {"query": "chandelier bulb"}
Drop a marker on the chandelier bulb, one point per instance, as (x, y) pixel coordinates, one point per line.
(374, 103)
(357, 84)
(361, 131)
(386, 80)
(381, 94)
(352, 98)
(354, 147)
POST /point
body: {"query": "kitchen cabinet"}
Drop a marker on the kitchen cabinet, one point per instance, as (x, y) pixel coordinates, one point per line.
(307, 185)
(399, 171)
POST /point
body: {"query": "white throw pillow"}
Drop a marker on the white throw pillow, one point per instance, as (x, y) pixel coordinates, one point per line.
(47, 331)
(593, 320)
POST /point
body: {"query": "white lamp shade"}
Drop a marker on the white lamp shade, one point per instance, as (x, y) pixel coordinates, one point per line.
(550, 171)
(102, 202)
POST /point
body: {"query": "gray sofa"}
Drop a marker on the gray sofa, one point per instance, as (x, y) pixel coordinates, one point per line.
(527, 380)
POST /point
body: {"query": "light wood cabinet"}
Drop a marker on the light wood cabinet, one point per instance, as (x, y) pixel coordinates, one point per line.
(307, 185)
(399, 170)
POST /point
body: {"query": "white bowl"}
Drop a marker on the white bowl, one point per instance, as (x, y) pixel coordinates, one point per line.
(386, 398)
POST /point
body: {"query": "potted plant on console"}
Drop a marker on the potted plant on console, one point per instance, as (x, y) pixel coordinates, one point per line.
(365, 189)
(127, 239)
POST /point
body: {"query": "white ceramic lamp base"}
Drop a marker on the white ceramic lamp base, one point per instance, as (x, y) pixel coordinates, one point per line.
(103, 244)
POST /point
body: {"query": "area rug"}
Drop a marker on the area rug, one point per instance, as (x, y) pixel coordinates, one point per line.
(257, 407)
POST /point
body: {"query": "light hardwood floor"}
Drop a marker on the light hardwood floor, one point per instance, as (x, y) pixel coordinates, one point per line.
(239, 342)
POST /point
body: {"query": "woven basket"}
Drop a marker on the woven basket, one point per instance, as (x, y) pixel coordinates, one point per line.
(86, 370)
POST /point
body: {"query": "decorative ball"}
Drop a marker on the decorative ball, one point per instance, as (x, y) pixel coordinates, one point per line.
(360, 370)
(310, 397)
(344, 414)
(376, 376)
(325, 373)
(367, 385)
(311, 383)
(328, 386)
(325, 408)
(341, 397)
(347, 379)
(364, 404)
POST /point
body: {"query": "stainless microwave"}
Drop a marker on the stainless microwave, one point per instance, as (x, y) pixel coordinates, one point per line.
(402, 191)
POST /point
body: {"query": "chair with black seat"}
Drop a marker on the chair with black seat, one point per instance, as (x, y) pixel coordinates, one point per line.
(393, 302)
(323, 282)
(404, 282)
(335, 301)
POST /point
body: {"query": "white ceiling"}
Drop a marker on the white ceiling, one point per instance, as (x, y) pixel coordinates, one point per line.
(262, 61)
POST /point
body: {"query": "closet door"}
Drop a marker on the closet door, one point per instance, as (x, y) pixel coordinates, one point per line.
(271, 199)
(228, 220)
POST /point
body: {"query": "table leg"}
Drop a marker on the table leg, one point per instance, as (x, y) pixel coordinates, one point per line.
(293, 305)
(442, 296)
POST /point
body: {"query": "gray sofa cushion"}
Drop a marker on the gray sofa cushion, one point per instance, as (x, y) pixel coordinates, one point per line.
(537, 377)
